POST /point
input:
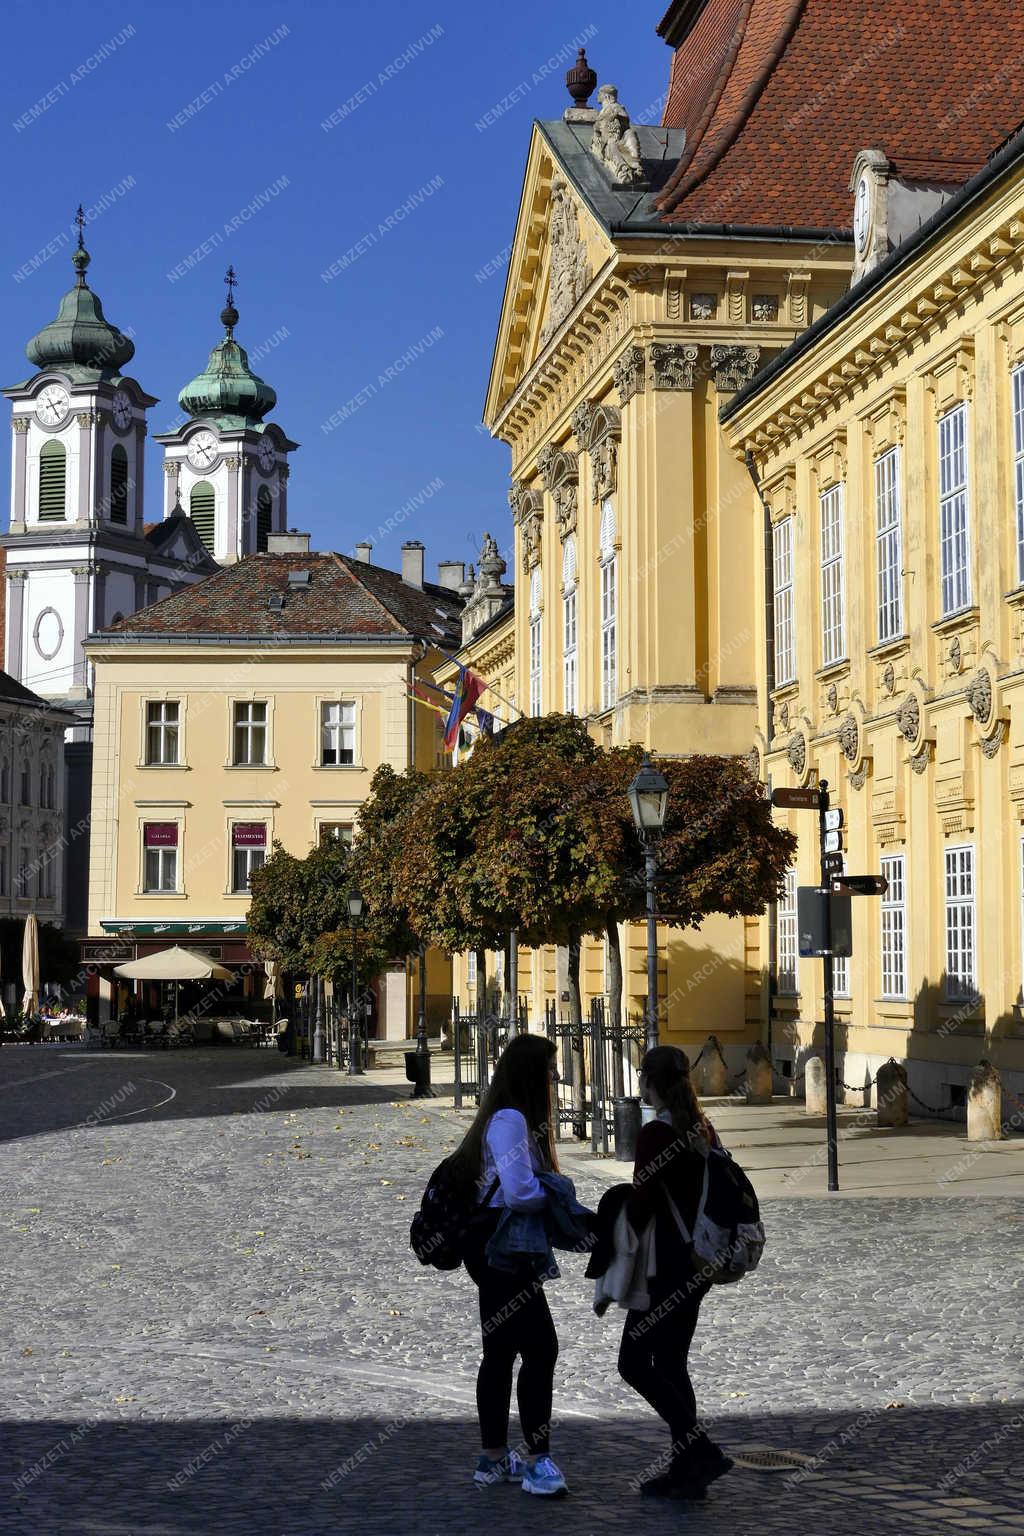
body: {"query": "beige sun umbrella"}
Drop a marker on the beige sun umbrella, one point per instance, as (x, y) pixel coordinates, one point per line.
(30, 966)
(273, 987)
(175, 964)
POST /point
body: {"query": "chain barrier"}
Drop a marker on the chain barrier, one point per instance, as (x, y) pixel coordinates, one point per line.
(958, 1111)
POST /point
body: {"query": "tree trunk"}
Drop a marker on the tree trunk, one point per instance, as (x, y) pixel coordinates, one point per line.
(579, 1086)
(615, 1005)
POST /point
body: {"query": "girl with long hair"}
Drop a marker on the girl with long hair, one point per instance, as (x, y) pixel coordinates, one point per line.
(653, 1356)
(509, 1144)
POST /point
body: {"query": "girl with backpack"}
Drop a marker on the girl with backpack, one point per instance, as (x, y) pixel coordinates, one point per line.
(671, 1155)
(508, 1152)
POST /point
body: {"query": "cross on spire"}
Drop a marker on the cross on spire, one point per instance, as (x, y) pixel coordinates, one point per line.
(80, 221)
(232, 282)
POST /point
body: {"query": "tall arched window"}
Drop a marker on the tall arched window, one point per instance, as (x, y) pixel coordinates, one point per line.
(609, 603)
(53, 469)
(202, 509)
(5, 782)
(118, 485)
(264, 511)
(570, 690)
(536, 647)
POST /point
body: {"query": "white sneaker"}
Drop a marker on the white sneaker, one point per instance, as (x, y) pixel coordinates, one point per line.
(544, 1478)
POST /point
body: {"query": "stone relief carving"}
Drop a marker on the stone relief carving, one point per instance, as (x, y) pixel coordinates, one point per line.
(753, 762)
(956, 659)
(920, 760)
(858, 780)
(582, 422)
(614, 142)
(603, 444)
(908, 717)
(979, 696)
(531, 528)
(990, 746)
(849, 738)
(734, 366)
(570, 271)
(629, 374)
(517, 491)
(832, 698)
(796, 753)
(889, 677)
(784, 717)
(560, 472)
(673, 364)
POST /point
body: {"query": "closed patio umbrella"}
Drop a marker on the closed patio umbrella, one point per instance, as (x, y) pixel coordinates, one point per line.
(30, 966)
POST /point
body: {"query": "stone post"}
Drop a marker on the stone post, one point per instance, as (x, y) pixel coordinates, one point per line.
(892, 1093)
(759, 1075)
(985, 1104)
(815, 1083)
(712, 1073)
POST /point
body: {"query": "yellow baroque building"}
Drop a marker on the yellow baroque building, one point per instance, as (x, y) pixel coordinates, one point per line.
(889, 444)
(251, 708)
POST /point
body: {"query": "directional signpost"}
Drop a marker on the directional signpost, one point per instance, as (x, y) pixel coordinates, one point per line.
(833, 882)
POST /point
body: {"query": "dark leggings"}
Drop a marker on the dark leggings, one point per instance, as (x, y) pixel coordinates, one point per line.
(514, 1320)
(653, 1360)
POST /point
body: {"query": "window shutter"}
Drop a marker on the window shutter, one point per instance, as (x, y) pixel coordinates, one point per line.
(52, 480)
(118, 485)
(263, 518)
(202, 509)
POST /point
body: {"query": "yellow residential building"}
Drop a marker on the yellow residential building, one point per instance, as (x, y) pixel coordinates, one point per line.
(889, 443)
(253, 708)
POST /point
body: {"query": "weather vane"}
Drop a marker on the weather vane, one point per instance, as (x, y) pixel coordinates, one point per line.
(232, 282)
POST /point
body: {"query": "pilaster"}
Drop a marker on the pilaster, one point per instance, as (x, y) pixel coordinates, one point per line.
(15, 622)
(233, 548)
(82, 627)
(19, 480)
(172, 474)
(86, 422)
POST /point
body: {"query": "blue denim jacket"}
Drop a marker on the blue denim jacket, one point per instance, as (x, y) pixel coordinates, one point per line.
(525, 1239)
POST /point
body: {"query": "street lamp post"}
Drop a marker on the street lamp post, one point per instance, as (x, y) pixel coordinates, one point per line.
(422, 1090)
(318, 1027)
(355, 917)
(648, 799)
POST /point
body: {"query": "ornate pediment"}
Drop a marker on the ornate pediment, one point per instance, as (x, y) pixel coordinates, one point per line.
(603, 447)
(560, 472)
(568, 267)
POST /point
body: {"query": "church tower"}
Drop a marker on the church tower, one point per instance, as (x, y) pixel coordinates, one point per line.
(227, 469)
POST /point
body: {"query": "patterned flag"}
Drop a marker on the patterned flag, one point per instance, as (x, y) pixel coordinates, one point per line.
(467, 690)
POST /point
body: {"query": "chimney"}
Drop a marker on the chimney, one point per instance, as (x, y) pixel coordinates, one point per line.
(412, 563)
(291, 543)
(363, 549)
(451, 573)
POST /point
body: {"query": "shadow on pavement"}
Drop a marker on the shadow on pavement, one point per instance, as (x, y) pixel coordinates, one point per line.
(882, 1470)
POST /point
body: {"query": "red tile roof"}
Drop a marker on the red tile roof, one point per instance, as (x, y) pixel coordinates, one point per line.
(343, 596)
(777, 97)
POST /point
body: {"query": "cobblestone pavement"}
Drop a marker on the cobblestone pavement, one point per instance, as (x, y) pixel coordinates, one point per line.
(212, 1323)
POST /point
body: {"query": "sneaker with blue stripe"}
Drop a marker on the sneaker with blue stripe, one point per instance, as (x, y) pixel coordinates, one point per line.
(506, 1469)
(544, 1478)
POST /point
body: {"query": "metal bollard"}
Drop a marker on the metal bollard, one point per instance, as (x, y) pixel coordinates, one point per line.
(627, 1127)
(985, 1104)
(814, 1086)
(891, 1091)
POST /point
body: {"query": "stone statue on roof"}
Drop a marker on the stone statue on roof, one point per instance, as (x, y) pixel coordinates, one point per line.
(614, 141)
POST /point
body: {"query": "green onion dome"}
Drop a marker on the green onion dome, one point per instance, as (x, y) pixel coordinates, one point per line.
(227, 386)
(80, 337)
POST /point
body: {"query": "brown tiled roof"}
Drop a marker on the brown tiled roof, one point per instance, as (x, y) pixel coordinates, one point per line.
(777, 97)
(343, 596)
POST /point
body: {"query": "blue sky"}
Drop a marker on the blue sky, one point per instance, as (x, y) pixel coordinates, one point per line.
(381, 145)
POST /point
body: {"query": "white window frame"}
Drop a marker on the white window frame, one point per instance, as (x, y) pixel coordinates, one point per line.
(833, 578)
(471, 972)
(337, 733)
(252, 857)
(961, 934)
(889, 544)
(536, 645)
(165, 863)
(1017, 395)
(608, 566)
(336, 831)
(841, 967)
(892, 947)
(787, 955)
(248, 730)
(162, 733)
(570, 676)
(954, 512)
(782, 577)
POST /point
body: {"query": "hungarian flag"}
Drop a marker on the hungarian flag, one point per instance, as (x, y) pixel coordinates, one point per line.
(467, 690)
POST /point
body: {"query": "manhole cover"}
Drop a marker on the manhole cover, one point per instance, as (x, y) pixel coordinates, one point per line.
(765, 1459)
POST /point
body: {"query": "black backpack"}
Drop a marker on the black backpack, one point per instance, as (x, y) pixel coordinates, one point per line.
(447, 1211)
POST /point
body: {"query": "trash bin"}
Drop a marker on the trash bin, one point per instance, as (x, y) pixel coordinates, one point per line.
(417, 1071)
(627, 1128)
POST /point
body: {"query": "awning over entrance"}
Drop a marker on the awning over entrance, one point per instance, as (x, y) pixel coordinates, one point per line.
(131, 929)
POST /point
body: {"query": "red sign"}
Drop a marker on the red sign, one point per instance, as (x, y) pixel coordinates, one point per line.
(249, 834)
(161, 834)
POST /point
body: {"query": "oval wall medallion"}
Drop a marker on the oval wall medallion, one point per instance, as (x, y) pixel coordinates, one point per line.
(48, 633)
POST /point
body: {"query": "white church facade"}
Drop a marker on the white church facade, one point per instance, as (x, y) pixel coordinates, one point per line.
(80, 552)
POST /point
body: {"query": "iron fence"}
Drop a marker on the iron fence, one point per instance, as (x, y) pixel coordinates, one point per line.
(598, 1059)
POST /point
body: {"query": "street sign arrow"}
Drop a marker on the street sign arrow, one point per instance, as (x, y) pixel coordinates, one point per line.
(833, 842)
(861, 885)
(833, 819)
(796, 799)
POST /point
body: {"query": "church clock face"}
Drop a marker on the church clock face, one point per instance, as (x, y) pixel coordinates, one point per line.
(121, 410)
(266, 455)
(862, 215)
(53, 405)
(202, 450)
